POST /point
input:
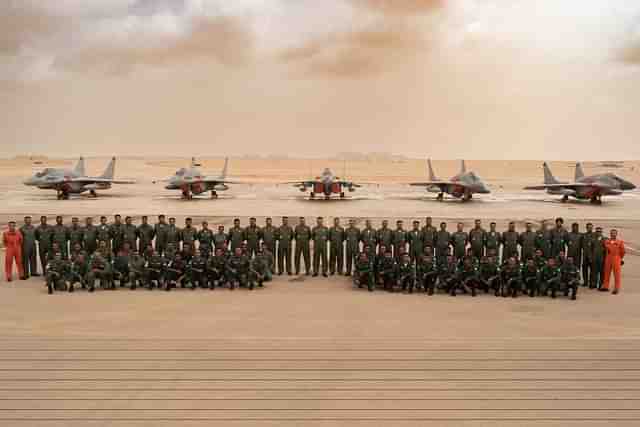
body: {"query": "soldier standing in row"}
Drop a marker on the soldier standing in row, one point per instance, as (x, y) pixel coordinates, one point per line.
(510, 242)
(574, 244)
(320, 237)
(29, 249)
(75, 233)
(443, 242)
(220, 238)
(269, 238)
(527, 241)
(189, 234)
(369, 238)
(414, 238)
(89, 236)
(173, 235)
(399, 240)
(429, 235)
(302, 235)
(385, 236)
(558, 238)
(146, 234)
(336, 250)
(60, 235)
(459, 241)
(160, 231)
(252, 235)
(493, 240)
(205, 240)
(477, 240)
(117, 233)
(352, 238)
(284, 236)
(129, 234)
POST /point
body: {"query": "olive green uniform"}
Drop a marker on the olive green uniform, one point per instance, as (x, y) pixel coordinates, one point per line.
(528, 244)
(574, 247)
(459, 241)
(443, 242)
(352, 239)
(510, 244)
(60, 235)
(588, 241)
(284, 237)
(303, 248)
(160, 230)
(399, 241)
(429, 238)
(477, 238)
(90, 238)
(252, 236)
(146, 233)
(492, 242)
(336, 250)
(29, 250)
(188, 235)
(57, 272)
(320, 237)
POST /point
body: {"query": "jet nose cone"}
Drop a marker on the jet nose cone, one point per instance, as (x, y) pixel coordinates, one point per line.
(626, 185)
(29, 181)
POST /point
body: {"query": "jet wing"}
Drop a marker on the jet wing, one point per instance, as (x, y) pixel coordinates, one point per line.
(87, 180)
(572, 186)
(436, 184)
(218, 180)
(300, 183)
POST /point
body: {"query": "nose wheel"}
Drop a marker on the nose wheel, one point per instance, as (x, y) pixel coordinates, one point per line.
(214, 195)
(312, 195)
(186, 195)
(342, 195)
(93, 193)
(63, 195)
(565, 199)
(440, 197)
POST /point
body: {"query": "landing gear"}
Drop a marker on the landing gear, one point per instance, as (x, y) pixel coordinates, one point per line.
(63, 195)
(93, 193)
(327, 196)
(186, 195)
(342, 195)
(596, 200)
(466, 197)
(214, 194)
(565, 198)
(440, 197)
(312, 195)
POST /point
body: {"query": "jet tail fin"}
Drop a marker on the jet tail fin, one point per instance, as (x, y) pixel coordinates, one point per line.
(432, 176)
(79, 169)
(463, 167)
(110, 171)
(579, 171)
(548, 176)
(225, 168)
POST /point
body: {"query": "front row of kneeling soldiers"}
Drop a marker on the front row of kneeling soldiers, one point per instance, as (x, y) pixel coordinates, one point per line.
(538, 276)
(182, 269)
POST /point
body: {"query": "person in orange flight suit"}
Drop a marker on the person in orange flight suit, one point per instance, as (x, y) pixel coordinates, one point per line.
(12, 241)
(614, 260)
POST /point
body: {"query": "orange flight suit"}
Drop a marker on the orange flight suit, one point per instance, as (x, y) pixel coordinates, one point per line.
(12, 241)
(614, 250)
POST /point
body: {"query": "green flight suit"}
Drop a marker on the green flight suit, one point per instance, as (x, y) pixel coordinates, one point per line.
(75, 236)
(477, 237)
(117, 236)
(320, 237)
(60, 235)
(588, 242)
(574, 247)
(269, 239)
(385, 237)
(188, 235)
(559, 238)
(336, 250)
(597, 261)
(205, 242)
(352, 239)
(492, 242)
(130, 236)
(399, 242)
(510, 244)
(160, 230)
(174, 236)
(220, 239)
(414, 238)
(443, 242)
(459, 241)
(236, 237)
(543, 242)
(29, 250)
(90, 238)
(429, 234)
(146, 233)
(303, 247)
(369, 237)
(284, 236)
(527, 242)
(252, 236)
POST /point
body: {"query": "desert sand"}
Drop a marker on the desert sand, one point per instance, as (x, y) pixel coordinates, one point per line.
(311, 351)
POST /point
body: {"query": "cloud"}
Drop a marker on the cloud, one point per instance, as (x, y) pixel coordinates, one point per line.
(223, 39)
(21, 25)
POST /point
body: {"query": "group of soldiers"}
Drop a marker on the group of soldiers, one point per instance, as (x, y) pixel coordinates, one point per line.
(537, 262)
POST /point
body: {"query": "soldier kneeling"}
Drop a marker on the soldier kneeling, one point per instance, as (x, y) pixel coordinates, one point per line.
(531, 278)
(447, 274)
(467, 278)
(154, 270)
(78, 271)
(258, 270)
(197, 269)
(570, 278)
(55, 277)
(100, 269)
(216, 269)
(237, 269)
(426, 273)
(136, 270)
(387, 271)
(406, 277)
(511, 278)
(363, 273)
(550, 277)
(176, 272)
(490, 275)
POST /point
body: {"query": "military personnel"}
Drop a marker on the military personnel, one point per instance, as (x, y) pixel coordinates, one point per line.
(176, 272)
(429, 234)
(189, 233)
(561, 258)
(363, 272)
(570, 278)
(252, 235)
(539, 259)
(197, 269)
(117, 233)
(574, 245)
(258, 270)
(467, 278)
(56, 273)
(588, 242)
(284, 236)
(169, 252)
(29, 249)
(558, 238)
(174, 235)
(268, 236)
(414, 238)
(78, 270)
(459, 241)
(100, 269)
(477, 239)
(302, 234)
(205, 240)
(129, 234)
(543, 240)
(527, 241)
(336, 250)
(447, 273)
(511, 278)
(216, 266)
(146, 234)
(426, 273)
(155, 269)
(89, 236)
(493, 241)
(187, 252)
(399, 240)
(103, 233)
(136, 270)
(406, 275)
(75, 233)
(550, 277)
(121, 262)
(369, 238)
(60, 235)
(385, 235)
(597, 259)
(352, 238)
(510, 240)
(268, 256)
(531, 278)
(443, 242)
(489, 270)
(236, 235)
(320, 237)
(105, 252)
(76, 251)
(237, 269)
(220, 238)
(387, 268)
(160, 230)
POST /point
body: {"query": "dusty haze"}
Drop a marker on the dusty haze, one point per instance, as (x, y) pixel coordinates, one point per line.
(481, 79)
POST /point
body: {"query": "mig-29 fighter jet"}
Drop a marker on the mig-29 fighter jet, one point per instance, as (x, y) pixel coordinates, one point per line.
(326, 184)
(191, 181)
(462, 186)
(583, 187)
(66, 182)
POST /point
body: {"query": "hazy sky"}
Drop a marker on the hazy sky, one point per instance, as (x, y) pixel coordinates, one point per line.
(556, 79)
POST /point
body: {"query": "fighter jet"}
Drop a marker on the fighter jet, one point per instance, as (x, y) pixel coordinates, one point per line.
(464, 185)
(326, 184)
(191, 181)
(66, 182)
(583, 187)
